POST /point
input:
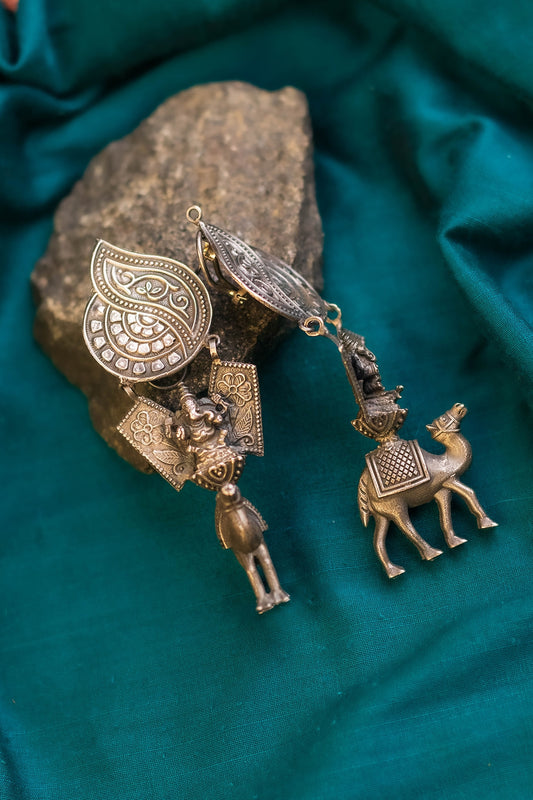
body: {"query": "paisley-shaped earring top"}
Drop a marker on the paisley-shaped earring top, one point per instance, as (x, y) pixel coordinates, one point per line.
(149, 316)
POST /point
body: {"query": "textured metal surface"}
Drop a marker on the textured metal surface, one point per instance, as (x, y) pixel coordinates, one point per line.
(395, 466)
(250, 512)
(149, 317)
(389, 487)
(245, 154)
(144, 427)
(399, 474)
(238, 383)
(206, 439)
(200, 443)
(238, 269)
(239, 525)
(189, 445)
(266, 278)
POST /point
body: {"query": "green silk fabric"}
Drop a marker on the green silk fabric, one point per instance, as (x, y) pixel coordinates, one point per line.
(132, 663)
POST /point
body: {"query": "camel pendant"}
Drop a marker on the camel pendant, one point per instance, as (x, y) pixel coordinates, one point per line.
(400, 475)
(240, 526)
(206, 441)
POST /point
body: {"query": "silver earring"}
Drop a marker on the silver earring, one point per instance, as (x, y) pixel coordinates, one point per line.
(148, 318)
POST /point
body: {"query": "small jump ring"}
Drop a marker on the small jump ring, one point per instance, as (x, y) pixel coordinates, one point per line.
(213, 342)
(128, 388)
(336, 321)
(194, 214)
(306, 327)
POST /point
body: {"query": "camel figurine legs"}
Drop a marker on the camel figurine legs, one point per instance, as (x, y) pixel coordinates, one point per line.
(427, 552)
(265, 599)
(402, 521)
(400, 475)
(469, 496)
(276, 592)
(443, 499)
(380, 534)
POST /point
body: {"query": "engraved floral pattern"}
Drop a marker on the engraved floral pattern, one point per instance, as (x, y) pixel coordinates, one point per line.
(146, 429)
(236, 387)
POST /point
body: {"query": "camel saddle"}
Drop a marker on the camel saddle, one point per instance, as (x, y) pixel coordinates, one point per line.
(397, 465)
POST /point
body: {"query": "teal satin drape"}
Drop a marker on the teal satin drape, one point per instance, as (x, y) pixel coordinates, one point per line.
(132, 664)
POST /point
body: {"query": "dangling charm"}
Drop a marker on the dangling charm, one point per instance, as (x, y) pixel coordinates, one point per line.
(240, 526)
(148, 318)
(399, 474)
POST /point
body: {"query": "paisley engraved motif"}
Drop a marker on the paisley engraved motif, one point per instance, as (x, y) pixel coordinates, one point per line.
(265, 277)
(149, 315)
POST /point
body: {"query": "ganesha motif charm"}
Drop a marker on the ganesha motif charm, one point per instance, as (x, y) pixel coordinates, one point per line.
(399, 473)
(148, 318)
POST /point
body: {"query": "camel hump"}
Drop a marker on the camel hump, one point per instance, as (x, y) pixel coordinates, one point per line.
(362, 498)
(255, 513)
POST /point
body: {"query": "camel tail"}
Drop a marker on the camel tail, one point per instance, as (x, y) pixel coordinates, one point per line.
(362, 499)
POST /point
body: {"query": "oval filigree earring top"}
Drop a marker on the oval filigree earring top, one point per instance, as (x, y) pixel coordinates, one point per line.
(149, 316)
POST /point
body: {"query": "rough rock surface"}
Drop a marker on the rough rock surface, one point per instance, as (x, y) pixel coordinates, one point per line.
(245, 156)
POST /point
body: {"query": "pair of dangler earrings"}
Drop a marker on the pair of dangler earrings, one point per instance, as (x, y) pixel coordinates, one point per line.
(149, 317)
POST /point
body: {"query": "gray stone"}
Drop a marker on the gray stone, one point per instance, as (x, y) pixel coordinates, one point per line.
(245, 156)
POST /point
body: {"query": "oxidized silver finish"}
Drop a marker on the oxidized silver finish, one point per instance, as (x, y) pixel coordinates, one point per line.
(238, 382)
(379, 415)
(396, 466)
(228, 262)
(442, 472)
(201, 427)
(198, 442)
(206, 441)
(239, 525)
(266, 278)
(399, 473)
(149, 317)
(144, 426)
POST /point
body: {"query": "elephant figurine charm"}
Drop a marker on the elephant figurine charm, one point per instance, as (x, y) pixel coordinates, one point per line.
(401, 475)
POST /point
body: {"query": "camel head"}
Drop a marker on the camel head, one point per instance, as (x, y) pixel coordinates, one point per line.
(449, 422)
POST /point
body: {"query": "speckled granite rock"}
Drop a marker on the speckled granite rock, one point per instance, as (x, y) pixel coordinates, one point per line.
(245, 156)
